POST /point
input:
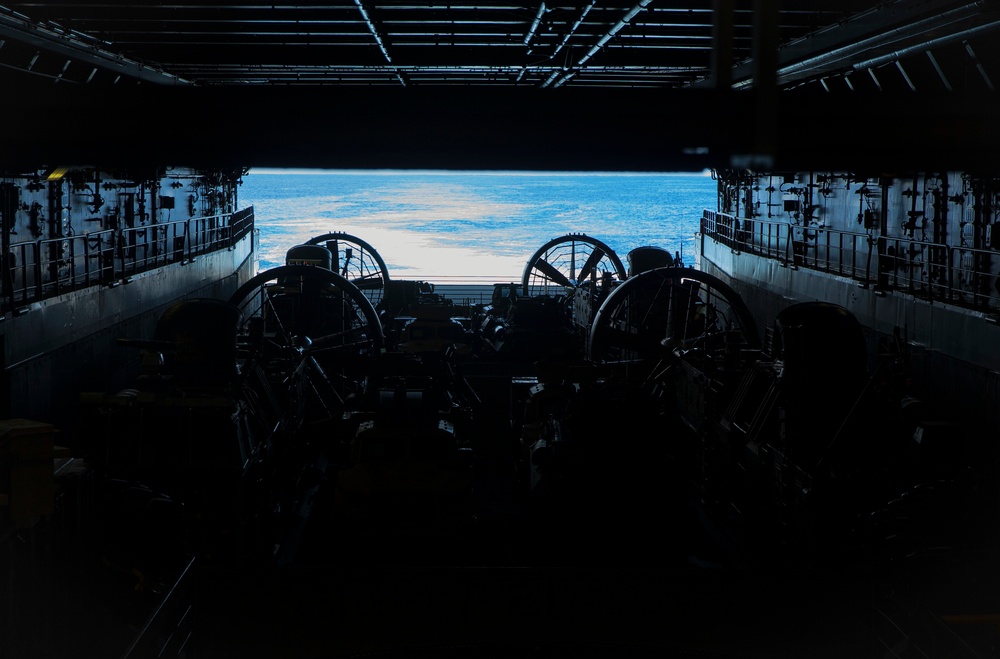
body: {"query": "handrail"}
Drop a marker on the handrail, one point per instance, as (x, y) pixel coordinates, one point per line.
(956, 274)
(169, 628)
(48, 267)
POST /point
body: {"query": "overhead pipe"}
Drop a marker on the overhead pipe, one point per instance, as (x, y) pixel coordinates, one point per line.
(566, 78)
(927, 46)
(613, 31)
(552, 76)
(535, 24)
(19, 27)
(378, 40)
(602, 41)
(914, 29)
(373, 30)
(572, 30)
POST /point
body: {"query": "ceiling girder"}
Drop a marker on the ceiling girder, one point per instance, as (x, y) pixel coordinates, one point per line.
(430, 128)
(899, 24)
(238, 82)
(68, 44)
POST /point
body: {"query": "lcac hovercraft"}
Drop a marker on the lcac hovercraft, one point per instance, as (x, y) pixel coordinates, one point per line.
(794, 446)
(399, 452)
(629, 345)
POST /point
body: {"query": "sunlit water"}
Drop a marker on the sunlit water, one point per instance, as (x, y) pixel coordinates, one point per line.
(473, 226)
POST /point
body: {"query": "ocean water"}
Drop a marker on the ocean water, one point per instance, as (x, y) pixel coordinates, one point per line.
(473, 226)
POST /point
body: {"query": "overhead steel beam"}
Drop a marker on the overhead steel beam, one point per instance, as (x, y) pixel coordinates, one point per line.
(378, 39)
(721, 74)
(467, 127)
(615, 29)
(850, 53)
(596, 48)
(68, 44)
(886, 26)
(576, 24)
(937, 42)
(534, 25)
(939, 71)
(979, 67)
(765, 56)
(906, 76)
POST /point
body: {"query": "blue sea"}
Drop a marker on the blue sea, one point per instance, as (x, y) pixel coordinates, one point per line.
(473, 226)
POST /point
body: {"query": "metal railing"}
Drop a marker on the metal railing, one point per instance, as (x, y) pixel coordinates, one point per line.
(45, 268)
(958, 275)
(169, 629)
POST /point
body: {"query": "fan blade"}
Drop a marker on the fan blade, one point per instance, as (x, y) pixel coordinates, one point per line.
(551, 273)
(592, 261)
